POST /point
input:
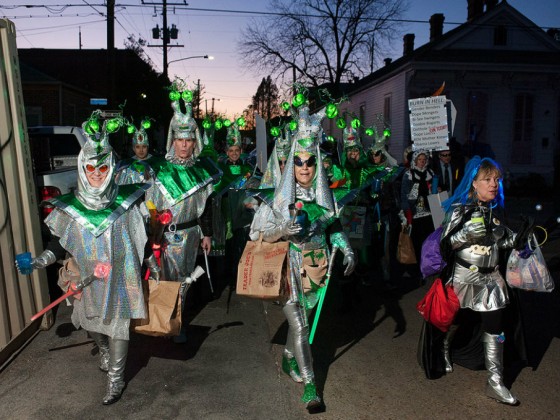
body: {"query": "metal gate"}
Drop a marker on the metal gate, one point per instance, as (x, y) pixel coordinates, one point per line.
(20, 296)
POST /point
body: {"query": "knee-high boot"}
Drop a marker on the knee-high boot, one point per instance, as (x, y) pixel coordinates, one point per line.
(446, 346)
(493, 358)
(299, 328)
(118, 350)
(102, 342)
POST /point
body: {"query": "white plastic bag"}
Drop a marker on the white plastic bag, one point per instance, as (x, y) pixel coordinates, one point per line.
(529, 273)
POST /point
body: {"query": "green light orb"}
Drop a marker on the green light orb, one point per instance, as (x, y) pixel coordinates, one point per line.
(227, 123)
(298, 100)
(285, 106)
(275, 131)
(240, 122)
(332, 111)
(94, 125)
(340, 123)
(187, 96)
(369, 132)
(206, 124)
(174, 95)
(130, 129)
(293, 125)
(88, 128)
(113, 125)
(146, 124)
(387, 132)
(218, 124)
(356, 123)
(330, 139)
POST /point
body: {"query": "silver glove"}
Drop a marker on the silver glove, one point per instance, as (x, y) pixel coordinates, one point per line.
(155, 269)
(349, 261)
(474, 231)
(402, 217)
(44, 260)
(284, 230)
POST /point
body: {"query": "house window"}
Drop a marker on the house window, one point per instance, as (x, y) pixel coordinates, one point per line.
(522, 138)
(500, 35)
(387, 110)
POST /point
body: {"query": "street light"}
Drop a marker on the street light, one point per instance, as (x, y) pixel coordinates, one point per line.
(208, 57)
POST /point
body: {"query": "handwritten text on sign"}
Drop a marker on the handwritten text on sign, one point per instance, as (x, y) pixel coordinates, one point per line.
(428, 122)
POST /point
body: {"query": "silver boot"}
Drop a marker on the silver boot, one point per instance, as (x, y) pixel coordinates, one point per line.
(446, 346)
(493, 359)
(102, 342)
(118, 350)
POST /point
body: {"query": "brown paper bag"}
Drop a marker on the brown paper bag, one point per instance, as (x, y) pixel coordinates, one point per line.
(405, 249)
(261, 270)
(314, 269)
(164, 309)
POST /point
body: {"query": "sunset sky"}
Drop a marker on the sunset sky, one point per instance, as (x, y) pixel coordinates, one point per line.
(208, 27)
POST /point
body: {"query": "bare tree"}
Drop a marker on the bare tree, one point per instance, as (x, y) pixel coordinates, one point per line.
(265, 101)
(320, 41)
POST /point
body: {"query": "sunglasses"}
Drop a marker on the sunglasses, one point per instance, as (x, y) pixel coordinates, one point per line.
(378, 153)
(445, 154)
(282, 162)
(309, 162)
(102, 169)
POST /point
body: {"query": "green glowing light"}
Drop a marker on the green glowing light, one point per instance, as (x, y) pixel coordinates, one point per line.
(293, 125)
(206, 124)
(369, 132)
(275, 131)
(285, 106)
(387, 132)
(330, 139)
(227, 123)
(218, 124)
(356, 123)
(340, 123)
(174, 95)
(332, 111)
(298, 100)
(130, 129)
(146, 124)
(240, 122)
(187, 96)
(113, 125)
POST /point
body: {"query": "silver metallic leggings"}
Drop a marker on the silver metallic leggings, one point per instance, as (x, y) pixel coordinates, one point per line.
(297, 343)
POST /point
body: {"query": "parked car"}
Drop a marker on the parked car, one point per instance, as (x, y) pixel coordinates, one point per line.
(54, 151)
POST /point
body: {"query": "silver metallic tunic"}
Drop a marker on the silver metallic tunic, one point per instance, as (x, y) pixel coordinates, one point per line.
(107, 306)
(476, 280)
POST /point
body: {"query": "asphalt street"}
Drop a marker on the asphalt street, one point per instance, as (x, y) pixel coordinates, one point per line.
(365, 363)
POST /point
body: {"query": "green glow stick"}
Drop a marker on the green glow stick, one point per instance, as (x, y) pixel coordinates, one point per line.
(322, 297)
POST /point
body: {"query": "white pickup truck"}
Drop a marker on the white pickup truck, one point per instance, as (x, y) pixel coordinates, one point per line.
(54, 152)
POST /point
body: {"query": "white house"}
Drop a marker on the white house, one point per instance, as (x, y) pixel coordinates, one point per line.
(502, 73)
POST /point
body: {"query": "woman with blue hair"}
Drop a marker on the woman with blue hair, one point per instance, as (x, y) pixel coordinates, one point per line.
(471, 241)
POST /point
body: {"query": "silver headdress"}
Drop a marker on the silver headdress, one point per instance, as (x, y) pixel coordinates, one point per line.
(97, 152)
(305, 139)
(380, 144)
(233, 137)
(351, 138)
(281, 151)
(182, 125)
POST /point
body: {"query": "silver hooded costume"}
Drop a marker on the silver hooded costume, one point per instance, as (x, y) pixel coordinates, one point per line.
(136, 170)
(274, 221)
(104, 224)
(183, 187)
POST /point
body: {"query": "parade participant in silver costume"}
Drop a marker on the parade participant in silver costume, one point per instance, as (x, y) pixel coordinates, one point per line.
(303, 181)
(277, 160)
(471, 240)
(183, 184)
(102, 222)
(137, 168)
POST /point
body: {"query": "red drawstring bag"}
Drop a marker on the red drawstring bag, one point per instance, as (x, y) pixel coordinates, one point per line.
(439, 306)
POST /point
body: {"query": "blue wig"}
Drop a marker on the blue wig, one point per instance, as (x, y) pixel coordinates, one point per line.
(461, 194)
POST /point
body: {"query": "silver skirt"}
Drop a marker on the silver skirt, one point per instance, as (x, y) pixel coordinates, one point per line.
(480, 292)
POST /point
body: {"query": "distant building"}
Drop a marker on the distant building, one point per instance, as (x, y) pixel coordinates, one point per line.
(58, 85)
(502, 73)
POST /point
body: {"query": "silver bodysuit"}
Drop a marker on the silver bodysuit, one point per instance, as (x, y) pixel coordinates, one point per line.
(477, 281)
